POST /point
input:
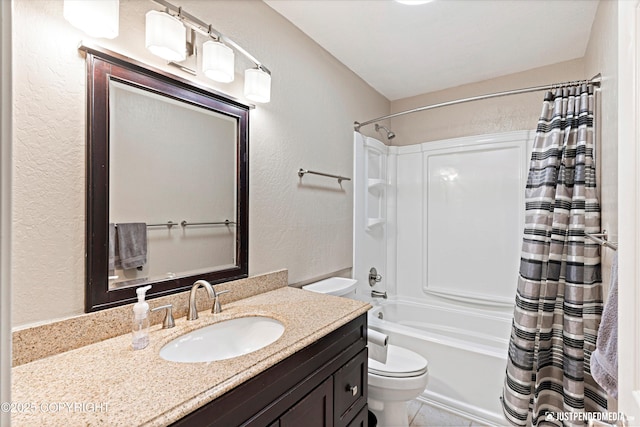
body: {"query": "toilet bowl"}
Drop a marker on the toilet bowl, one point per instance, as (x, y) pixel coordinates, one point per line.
(392, 384)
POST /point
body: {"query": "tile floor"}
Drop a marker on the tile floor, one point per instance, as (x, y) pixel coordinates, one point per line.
(423, 415)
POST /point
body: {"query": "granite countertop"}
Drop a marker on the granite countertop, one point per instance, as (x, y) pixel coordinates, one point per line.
(108, 383)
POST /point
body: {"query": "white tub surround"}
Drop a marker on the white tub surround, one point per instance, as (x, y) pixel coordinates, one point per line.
(459, 217)
(370, 231)
(447, 245)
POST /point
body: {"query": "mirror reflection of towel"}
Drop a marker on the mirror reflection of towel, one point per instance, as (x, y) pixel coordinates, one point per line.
(132, 244)
(112, 246)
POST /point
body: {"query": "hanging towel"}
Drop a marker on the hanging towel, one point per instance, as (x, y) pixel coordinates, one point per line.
(132, 244)
(112, 246)
(604, 360)
(377, 343)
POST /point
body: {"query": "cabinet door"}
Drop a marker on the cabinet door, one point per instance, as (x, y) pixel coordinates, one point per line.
(350, 389)
(361, 420)
(314, 410)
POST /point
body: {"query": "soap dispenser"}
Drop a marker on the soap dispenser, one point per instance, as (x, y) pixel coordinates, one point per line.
(140, 327)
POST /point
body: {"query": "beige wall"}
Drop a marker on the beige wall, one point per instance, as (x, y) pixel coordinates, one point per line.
(602, 57)
(516, 112)
(315, 99)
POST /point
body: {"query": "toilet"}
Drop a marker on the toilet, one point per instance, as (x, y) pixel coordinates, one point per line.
(393, 384)
(340, 286)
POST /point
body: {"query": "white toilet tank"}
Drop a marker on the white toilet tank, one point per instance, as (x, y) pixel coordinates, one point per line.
(340, 286)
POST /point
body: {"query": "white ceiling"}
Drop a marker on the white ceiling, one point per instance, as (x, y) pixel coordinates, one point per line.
(402, 51)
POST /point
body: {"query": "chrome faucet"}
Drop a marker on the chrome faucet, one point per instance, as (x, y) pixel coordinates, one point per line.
(217, 308)
(378, 294)
(192, 314)
(168, 321)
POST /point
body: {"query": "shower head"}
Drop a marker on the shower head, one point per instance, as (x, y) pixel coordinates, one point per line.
(390, 135)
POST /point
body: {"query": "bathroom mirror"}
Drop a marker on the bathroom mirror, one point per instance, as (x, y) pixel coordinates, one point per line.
(167, 190)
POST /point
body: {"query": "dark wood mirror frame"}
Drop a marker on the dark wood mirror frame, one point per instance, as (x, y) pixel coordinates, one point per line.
(103, 66)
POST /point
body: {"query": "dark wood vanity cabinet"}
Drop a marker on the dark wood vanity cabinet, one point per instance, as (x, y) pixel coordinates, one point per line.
(322, 385)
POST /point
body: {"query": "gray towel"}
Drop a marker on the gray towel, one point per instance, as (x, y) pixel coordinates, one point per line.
(112, 246)
(132, 244)
(604, 360)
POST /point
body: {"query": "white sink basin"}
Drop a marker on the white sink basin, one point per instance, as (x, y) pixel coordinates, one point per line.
(223, 340)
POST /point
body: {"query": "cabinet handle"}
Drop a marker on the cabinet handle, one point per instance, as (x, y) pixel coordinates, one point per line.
(353, 389)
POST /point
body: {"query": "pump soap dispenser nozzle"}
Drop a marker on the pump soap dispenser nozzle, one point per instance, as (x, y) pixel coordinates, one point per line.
(140, 327)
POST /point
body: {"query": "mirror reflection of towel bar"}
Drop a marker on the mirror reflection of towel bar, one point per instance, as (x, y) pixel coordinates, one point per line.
(225, 222)
(184, 223)
(164, 224)
(168, 224)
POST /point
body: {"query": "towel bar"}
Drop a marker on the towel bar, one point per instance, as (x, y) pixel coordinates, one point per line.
(301, 173)
(601, 239)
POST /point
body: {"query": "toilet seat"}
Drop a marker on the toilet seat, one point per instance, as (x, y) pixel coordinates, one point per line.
(401, 363)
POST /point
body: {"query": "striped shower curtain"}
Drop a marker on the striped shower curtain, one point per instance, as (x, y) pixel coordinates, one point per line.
(559, 293)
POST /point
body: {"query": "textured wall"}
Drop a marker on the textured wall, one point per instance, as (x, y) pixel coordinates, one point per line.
(305, 227)
(515, 112)
(5, 208)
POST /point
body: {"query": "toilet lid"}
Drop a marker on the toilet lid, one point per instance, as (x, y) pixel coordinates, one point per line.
(333, 286)
(400, 363)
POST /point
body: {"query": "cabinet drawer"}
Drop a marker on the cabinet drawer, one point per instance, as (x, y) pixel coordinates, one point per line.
(350, 389)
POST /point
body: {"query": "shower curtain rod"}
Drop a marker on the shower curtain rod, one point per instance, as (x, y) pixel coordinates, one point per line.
(595, 80)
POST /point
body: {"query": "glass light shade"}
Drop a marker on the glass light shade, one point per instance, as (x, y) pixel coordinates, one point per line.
(217, 61)
(166, 36)
(97, 18)
(257, 85)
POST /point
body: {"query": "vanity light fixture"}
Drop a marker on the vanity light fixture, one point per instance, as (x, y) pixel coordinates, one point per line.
(218, 61)
(218, 53)
(96, 18)
(257, 85)
(165, 36)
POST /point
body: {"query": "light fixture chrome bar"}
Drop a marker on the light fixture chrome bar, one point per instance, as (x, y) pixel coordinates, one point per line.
(301, 173)
(207, 30)
(183, 68)
(595, 80)
(225, 222)
(596, 237)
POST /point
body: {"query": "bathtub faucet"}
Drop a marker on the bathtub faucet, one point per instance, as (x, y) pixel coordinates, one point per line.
(378, 294)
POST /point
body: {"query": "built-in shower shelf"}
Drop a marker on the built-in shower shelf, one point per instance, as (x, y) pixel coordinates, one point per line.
(375, 222)
(376, 184)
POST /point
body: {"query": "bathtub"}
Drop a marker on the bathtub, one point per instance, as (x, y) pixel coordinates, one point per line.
(466, 349)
